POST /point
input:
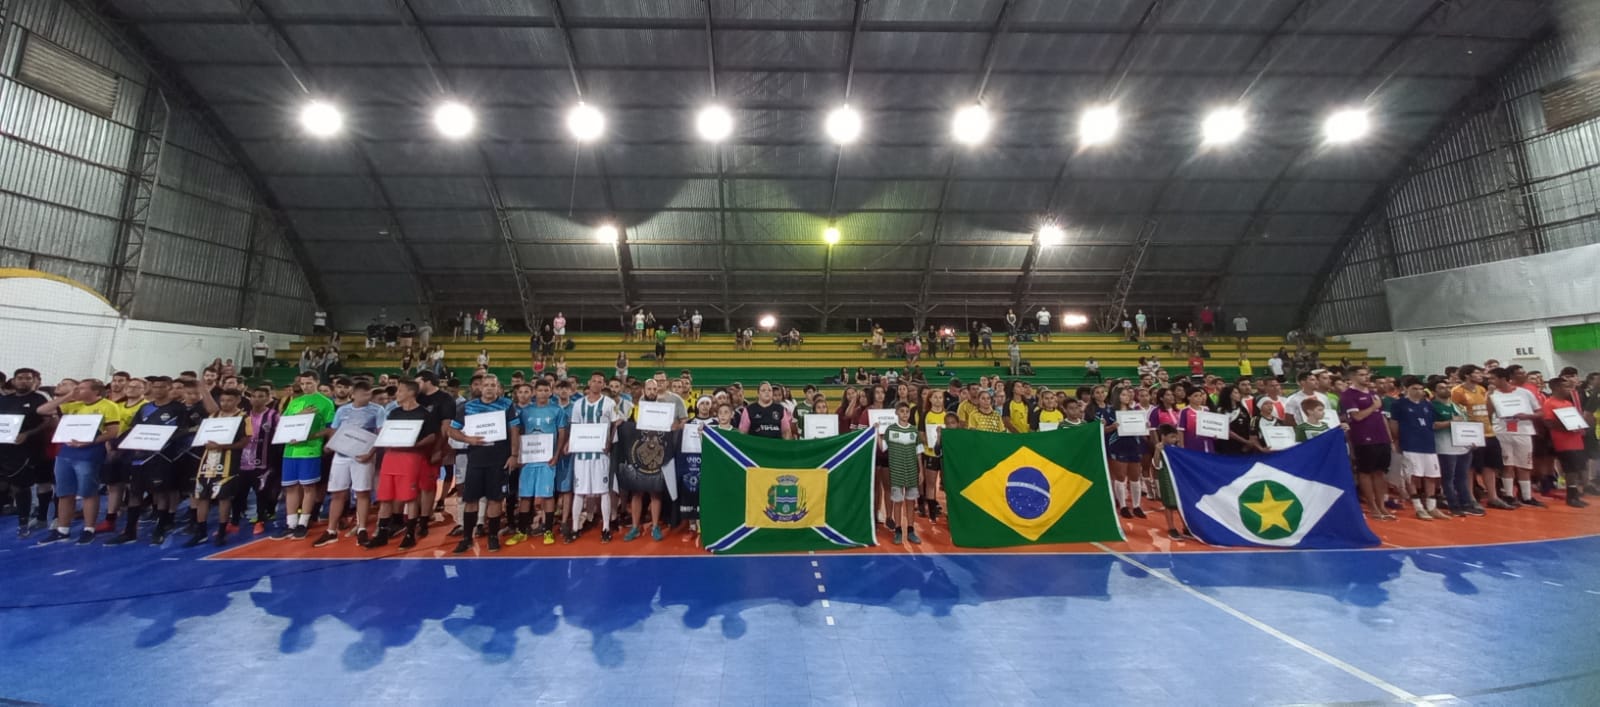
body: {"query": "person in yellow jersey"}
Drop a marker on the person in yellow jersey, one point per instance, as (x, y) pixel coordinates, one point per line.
(1245, 369)
(985, 418)
(1473, 398)
(1049, 416)
(1017, 411)
(934, 422)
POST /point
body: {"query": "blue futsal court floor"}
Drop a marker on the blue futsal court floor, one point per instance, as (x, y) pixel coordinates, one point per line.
(1507, 624)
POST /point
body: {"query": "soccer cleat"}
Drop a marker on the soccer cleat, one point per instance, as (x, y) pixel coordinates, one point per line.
(549, 537)
(1499, 504)
(1174, 534)
(85, 537)
(911, 537)
(422, 530)
(53, 536)
(221, 539)
(897, 537)
(121, 539)
(408, 542)
(377, 541)
(301, 532)
(1536, 503)
(655, 533)
(1138, 512)
(494, 543)
(1125, 512)
(361, 537)
(516, 538)
(631, 535)
(1576, 502)
(195, 539)
(328, 538)
(463, 546)
(605, 535)
(568, 537)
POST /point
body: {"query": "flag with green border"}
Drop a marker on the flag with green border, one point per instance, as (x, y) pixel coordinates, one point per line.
(759, 494)
(1023, 489)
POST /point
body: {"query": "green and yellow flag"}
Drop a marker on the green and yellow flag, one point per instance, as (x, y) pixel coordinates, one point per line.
(1021, 489)
(774, 495)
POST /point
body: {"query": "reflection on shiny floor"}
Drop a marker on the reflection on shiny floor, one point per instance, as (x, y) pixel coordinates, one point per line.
(1511, 624)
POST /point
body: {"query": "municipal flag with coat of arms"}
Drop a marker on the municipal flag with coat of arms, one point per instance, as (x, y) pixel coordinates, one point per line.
(1301, 497)
(759, 494)
(1022, 489)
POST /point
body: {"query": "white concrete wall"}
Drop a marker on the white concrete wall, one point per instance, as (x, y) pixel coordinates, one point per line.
(1527, 344)
(65, 330)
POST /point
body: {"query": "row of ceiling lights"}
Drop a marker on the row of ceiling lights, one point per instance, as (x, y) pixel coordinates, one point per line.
(970, 125)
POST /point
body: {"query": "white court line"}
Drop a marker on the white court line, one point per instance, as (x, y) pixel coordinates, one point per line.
(816, 575)
(821, 589)
(830, 620)
(1259, 625)
(64, 572)
(450, 572)
(1590, 591)
(1435, 555)
(824, 603)
(1553, 584)
(813, 563)
(1511, 574)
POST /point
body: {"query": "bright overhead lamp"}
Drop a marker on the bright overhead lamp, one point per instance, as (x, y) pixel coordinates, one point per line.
(714, 123)
(843, 125)
(830, 235)
(454, 120)
(320, 119)
(586, 123)
(1098, 125)
(971, 124)
(1051, 235)
(1346, 125)
(768, 321)
(1074, 319)
(606, 233)
(1223, 126)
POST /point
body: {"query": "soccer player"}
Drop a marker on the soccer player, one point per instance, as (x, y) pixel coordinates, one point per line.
(350, 474)
(592, 470)
(900, 441)
(77, 467)
(1413, 417)
(404, 471)
(1124, 454)
(537, 485)
(1487, 461)
(984, 417)
(767, 417)
(302, 461)
(152, 472)
(1568, 444)
(441, 405)
(488, 462)
(218, 475)
(934, 421)
(1515, 432)
(1369, 437)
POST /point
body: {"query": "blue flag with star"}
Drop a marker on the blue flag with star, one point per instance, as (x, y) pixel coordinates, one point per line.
(1301, 497)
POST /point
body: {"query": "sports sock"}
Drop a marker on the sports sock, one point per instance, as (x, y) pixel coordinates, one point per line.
(494, 526)
(605, 511)
(1527, 490)
(41, 510)
(1121, 492)
(469, 523)
(1505, 487)
(1431, 504)
(576, 512)
(1136, 490)
(111, 518)
(1416, 502)
(132, 521)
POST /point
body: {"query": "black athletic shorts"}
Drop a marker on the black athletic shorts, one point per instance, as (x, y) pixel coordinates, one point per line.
(485, 482)
(1573, 464)
(153, 476)
(932, 463)
(115, 471)
(216, 489)
(1372, 458)
(27, 472)
(1488, 456)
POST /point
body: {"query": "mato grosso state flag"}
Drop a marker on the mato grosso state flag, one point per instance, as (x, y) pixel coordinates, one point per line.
(1020, 489)
(771, 495)
(1300, 497)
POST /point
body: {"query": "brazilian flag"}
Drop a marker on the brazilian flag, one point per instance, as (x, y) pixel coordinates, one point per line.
(1020, 489)
(759, 494)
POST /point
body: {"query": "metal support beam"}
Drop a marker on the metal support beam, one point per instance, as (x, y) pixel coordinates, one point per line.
(1030, 262)
(725, 276)
(935, 233)
(1117, 305)
(838, 159)
(284, 49)
(143, 185)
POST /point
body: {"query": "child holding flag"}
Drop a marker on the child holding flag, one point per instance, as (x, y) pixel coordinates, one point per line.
(1168, 436)
(900, 442)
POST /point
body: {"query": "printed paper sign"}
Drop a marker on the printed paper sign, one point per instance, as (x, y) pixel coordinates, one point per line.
(352, 441)
(293, 428)
(656, 416)
(148, 438)
(221, 430)
(77, 428)
(491, 426)
(1211, 424)
(1132, 423)
(538, 448)
(399, 433)
(589, 437)
(819, 426)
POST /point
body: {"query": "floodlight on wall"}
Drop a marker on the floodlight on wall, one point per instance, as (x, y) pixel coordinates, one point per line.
(586, 123)
(830, 235)
(321, 119)
(971, 124)
(1346, 125)
(454, 120)
(606, 233)
(714, 123)
(1098, 125)
(843, 125)
(1074, 319)
(768, 321)
(1223, 126)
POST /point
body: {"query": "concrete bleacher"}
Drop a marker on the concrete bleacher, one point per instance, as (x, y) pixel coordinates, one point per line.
(715, 361)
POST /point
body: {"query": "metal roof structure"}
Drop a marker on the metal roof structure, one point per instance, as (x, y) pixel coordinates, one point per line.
(391, 215)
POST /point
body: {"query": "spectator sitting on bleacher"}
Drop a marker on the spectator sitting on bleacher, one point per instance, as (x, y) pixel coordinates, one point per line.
(1091, 369)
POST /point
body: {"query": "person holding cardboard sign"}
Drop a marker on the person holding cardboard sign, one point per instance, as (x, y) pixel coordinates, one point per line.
(217, 477)
(78, 463)
(489, 460)
(1561, 417)
(404, 471)
(545, 422)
